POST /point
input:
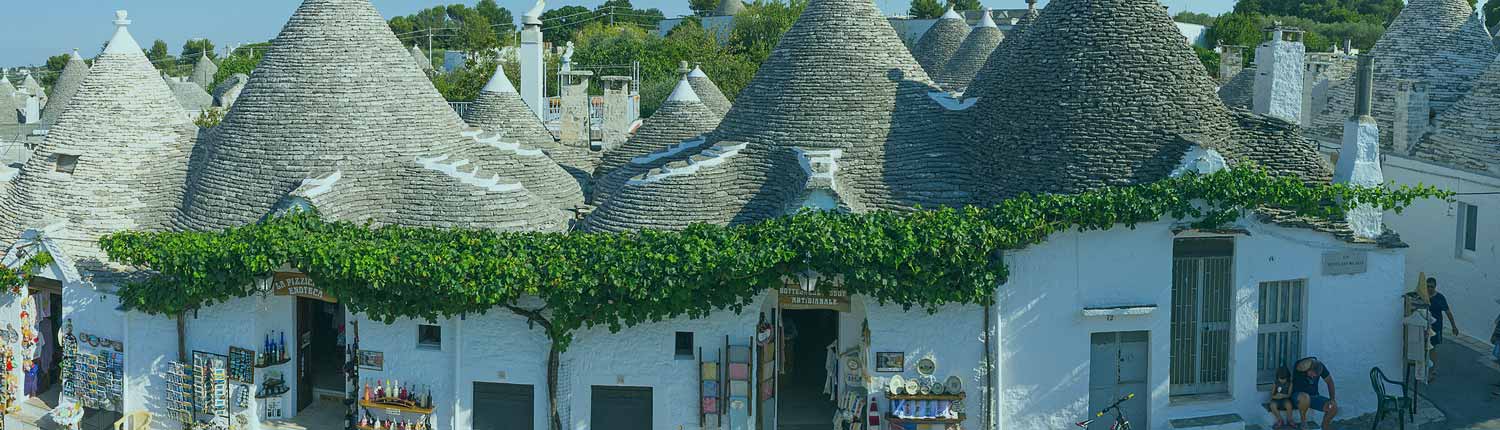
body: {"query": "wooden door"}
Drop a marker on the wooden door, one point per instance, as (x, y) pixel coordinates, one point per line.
(302, 342)
(504, 406)
(620, 408)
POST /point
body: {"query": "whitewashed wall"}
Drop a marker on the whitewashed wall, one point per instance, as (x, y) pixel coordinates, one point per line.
(1354, 321)
(1472, 284)
(954, 336)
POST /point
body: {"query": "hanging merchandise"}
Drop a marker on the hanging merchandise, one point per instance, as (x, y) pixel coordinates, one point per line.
(210, 390)
(389, 404)
(180, 392)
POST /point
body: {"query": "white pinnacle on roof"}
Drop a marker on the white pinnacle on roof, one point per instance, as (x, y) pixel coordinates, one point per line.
(122, 41)
(986, 19)
(684, 92)
(950, 14)
(499, 83)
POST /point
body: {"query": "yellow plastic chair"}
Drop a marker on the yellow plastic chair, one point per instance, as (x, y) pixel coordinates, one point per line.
(138, 420)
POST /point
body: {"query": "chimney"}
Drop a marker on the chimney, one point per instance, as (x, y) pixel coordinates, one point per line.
(1412, 112)
(1231, 62)
(31, 107)
(1348, 46)
(617, 108)
(1359, 157)
(1279, 66)
(576, 116)
(533, 67)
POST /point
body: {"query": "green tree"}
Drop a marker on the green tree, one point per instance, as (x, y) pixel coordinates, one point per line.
(55, 65)
(925, 9)
(158, 55)
(1235, 29)
(499, 17)
(1194, 18)
(474, 32)
(758, 29)
(192, 48)
(703, 7)
(1491, 14)
(562, 22)
(243, 60)
(965, 4)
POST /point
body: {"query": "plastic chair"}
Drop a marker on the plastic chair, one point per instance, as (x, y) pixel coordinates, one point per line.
(138, 420)
(1399, 405)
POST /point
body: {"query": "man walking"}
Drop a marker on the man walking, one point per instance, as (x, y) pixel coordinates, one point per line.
(1305, 391)
(1495, 347)
(1437, 307)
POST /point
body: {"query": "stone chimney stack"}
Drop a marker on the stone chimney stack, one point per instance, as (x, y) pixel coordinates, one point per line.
(617, 108)
(533, 67)
(1348, 46)
(31, 107)
(1231, 62)
(1359, 157)
(1279, 66)
(1412, 114)
(575, 124)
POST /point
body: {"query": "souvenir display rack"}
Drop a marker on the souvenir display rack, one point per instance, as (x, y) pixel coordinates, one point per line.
(710, 391)
(180, 392)
(737, 374)
(98, 379)
(273, 385)
(241, 365)
(384, 404)
(210, 377)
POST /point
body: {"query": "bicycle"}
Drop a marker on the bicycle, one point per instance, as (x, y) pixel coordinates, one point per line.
(1120, 422)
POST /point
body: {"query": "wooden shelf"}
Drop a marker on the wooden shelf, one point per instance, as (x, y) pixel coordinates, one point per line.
(273, 364)
(371, 404)
(958, 396)
(958, 420)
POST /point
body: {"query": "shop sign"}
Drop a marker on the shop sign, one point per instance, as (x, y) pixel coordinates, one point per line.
(299, 285)
(1344, 262)
(797, 298)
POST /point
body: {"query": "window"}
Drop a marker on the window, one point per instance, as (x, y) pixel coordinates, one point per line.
(429, 336)
(1280, 341)
(684, 345)
(66, 163)
(1468, 228)
(1202, 287)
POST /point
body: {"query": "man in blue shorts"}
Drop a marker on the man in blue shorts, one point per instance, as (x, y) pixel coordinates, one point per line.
(1437, 307)
(1305, 391)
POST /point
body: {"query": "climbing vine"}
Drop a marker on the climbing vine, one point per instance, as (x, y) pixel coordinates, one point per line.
(920, 258)
(20, 277)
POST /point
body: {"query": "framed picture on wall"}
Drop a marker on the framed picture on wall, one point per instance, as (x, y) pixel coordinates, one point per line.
(890, 362)
(372, 360)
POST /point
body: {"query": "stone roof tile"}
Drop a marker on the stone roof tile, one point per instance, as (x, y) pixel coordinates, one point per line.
(972, 54)
(682, 117)
(67, 85)
(1465, 134)
(204, 72)
(708, 92)
(940, 42)
(499, 109)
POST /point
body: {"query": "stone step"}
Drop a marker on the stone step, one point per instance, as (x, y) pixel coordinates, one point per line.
(1214, 422)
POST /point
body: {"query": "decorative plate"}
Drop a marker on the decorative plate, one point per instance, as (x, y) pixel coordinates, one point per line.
(914, 387)
(896, 384)
(927, 366)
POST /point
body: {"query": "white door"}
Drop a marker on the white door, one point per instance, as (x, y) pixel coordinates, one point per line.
(1118, 368)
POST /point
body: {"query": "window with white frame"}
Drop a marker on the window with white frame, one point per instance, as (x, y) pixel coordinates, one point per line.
(1282, 336)
(1468, 229)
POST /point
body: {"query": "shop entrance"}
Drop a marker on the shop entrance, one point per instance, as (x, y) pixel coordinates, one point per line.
(809, 341)
(47, 377)
(320, 350)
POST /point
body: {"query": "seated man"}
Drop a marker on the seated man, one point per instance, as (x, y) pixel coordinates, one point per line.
(1305, 391)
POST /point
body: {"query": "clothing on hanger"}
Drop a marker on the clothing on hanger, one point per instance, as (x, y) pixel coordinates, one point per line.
(831, 367)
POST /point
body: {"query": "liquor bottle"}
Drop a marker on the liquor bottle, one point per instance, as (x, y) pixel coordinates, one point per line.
(427, 398)
(402, 394)
(379, 389)
(283, 346)
(365, 395)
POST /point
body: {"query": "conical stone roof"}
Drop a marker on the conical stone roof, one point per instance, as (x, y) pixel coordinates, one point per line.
(708, 92)
(67, 84)
(338, 93)
(8, 105)
(1439, 42)
(1239, 92)
(972, 54)
(189, 95)
(499, 109)
(421, 58)
(127, 143)
(1466, 133)
(204, 72)
(839, 115)
(1111, 108)
(940, 42)
(729, 8)
(681, 117)
(983, 83)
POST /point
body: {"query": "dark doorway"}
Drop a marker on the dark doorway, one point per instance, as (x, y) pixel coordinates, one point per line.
(620, 408)
(320, 358)
(807, 336)
(504, 406)
(48, 299)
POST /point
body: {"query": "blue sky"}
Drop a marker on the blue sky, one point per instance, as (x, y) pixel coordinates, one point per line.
(39, 29)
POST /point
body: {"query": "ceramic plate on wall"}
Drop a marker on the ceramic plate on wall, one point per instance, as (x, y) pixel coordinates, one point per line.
(954, 385)
(896, 385)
